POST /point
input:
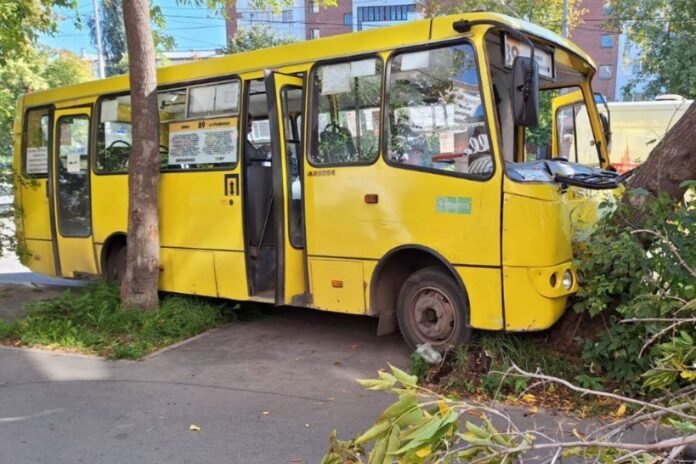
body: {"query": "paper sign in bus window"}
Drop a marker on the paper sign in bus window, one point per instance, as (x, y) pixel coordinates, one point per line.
(210, 99)
(227, 97)
(73, 163)
(335, 79)
(417, 60)
(210, 141)
(37, 160)
(363, 68)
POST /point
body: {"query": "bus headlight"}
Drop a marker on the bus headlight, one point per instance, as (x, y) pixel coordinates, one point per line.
(567, 280)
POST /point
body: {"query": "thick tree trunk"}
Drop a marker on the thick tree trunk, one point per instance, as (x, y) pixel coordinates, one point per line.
(672, 161)
(140, 282)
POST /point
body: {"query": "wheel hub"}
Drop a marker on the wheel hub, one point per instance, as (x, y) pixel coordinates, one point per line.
(433, 315)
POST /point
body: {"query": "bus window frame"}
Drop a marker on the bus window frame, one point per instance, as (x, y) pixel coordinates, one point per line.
(300, 167)
(25, 141)
(164, 88)
(312, 118)
(387, 75)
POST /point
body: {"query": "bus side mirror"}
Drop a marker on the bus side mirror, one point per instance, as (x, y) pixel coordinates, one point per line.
(525, 91)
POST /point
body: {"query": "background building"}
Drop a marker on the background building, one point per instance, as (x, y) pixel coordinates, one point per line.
(380, 13)
(325, 22)
(616, 58)
(290, 20)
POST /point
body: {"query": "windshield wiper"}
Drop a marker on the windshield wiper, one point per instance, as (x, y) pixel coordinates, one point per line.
(599, 180)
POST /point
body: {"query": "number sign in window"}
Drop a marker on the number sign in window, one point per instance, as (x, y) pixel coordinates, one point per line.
(347, 113)
(436, 118)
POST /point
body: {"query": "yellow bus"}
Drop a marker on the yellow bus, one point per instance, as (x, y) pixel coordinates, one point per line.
(379, 173)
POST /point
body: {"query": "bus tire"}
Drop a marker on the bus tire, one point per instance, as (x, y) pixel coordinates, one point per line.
(432, 309)
(116, 264)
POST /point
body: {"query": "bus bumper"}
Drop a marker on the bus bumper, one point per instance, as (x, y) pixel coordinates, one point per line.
(536, 297)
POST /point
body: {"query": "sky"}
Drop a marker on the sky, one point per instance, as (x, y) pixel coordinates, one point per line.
(193, 28)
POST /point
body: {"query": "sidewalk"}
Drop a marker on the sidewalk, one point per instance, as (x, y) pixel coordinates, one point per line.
(18, 286)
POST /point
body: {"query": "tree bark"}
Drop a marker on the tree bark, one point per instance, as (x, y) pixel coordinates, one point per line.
(672, 161)
(140, 282)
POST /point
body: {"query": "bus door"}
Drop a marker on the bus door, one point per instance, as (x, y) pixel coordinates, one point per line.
(72, 198)
(34, 190)
(285, 108)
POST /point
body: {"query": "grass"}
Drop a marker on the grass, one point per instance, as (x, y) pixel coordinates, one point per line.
(92, 321)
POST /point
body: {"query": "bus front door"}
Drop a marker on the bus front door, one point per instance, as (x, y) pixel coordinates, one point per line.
(72, 198)
(286, 99)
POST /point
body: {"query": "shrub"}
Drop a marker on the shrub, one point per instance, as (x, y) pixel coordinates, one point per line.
(644, 277)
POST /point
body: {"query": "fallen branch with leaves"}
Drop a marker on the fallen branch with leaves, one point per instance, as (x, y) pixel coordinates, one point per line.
(423, 426)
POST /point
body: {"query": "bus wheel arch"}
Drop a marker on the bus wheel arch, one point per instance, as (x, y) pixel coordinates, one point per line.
(395, 269)
(113, 257)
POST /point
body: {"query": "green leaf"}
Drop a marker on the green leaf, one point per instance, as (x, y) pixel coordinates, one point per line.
(376, 384)
(683, 427)
(478, 431)
(403, 377)
(373, 432)
(378, 452)
(420, 435)
(392, 444)
(406, 402)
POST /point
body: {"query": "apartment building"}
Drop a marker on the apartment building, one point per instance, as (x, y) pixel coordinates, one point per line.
(325, 22)
(616, 58)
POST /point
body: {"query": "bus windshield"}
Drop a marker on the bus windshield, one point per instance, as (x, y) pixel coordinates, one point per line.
(436, 118)
(559, 73)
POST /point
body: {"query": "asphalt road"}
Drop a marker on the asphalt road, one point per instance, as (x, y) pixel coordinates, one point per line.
(266, 391)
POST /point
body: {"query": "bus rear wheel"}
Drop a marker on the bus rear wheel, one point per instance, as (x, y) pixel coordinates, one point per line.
(432, 309)
(116, 265)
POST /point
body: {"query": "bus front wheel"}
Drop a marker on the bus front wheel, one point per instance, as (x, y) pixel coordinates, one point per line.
(432, 309)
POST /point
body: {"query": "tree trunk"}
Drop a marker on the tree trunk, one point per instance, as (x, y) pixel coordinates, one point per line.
(140, 282)
(672, 161)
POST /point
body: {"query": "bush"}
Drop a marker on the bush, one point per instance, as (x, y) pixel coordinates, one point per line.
(643, 276)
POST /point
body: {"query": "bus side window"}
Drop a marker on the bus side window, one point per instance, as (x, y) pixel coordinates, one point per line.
(436, 118)
(36, 150)
(114, 135)
(346, 124)
(575, 139)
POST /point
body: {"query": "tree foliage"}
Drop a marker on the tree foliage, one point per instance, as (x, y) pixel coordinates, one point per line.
(547, 13)
(38, 69)
(664, 31)
(257, 37)
(114, 35)
(22, 21)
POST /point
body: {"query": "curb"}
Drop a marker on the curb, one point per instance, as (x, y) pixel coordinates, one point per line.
(154, 354)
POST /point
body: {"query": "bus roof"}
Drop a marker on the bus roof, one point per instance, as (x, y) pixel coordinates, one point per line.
(364, 42)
